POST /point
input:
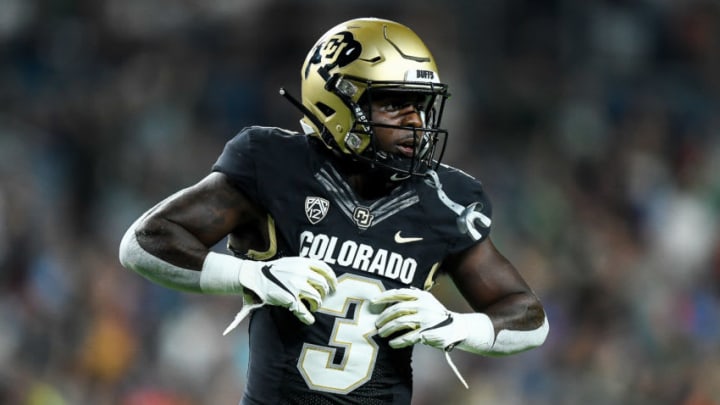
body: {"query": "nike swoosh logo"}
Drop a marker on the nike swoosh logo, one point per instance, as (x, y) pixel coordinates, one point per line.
(266, 272)
(445, 322)
(402, 239)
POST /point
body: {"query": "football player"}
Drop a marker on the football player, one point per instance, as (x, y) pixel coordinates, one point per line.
(337, 234)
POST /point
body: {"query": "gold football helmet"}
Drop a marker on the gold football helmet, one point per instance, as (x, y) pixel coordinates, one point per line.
(354, 61)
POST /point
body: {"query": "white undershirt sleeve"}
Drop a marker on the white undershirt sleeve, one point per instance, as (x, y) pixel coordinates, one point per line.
(134, 257)
(482, 338)
(220, 272)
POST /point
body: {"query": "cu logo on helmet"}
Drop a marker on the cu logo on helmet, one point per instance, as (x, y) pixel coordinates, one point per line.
(337, 51)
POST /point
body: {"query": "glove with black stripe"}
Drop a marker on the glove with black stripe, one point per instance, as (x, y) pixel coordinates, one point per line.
(296, 283)
(416, 316)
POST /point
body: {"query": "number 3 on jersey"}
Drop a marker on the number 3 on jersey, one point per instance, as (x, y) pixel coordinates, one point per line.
(355, 335)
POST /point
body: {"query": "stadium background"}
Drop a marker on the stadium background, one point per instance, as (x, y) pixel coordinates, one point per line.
(594, 126)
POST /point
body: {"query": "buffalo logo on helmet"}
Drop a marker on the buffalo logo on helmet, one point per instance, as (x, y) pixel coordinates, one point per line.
(337, 51)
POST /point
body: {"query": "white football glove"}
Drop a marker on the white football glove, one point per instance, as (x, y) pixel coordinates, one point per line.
(420, 317)
(297, 283)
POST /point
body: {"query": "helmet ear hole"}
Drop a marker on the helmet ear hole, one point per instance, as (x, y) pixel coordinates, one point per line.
(325, 109)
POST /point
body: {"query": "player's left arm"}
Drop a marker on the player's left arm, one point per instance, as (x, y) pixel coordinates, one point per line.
(495, 289)
(508, 317)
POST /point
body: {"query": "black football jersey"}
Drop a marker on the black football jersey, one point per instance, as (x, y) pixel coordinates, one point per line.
(395, 241)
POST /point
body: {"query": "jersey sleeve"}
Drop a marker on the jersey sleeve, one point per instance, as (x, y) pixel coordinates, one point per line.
(474, 223)
(237, 162)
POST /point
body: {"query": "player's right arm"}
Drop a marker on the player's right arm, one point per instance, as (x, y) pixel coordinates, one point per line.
(170, 245)
(182, 228)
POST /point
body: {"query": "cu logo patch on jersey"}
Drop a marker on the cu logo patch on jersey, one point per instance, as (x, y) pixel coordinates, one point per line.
(316, 208)
(363, 218)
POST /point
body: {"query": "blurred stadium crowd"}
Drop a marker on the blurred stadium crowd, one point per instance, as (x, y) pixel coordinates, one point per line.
(594, 125)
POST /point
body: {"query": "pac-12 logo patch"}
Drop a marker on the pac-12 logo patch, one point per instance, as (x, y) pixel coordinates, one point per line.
(316, 208)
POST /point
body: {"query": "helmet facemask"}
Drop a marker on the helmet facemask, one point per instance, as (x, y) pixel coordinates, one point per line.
(426, 141)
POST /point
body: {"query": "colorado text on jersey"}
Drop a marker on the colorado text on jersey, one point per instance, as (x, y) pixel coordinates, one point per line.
(358, 256)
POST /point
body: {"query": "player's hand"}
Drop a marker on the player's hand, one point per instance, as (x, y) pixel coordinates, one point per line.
(417, 316)
(297, 283)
